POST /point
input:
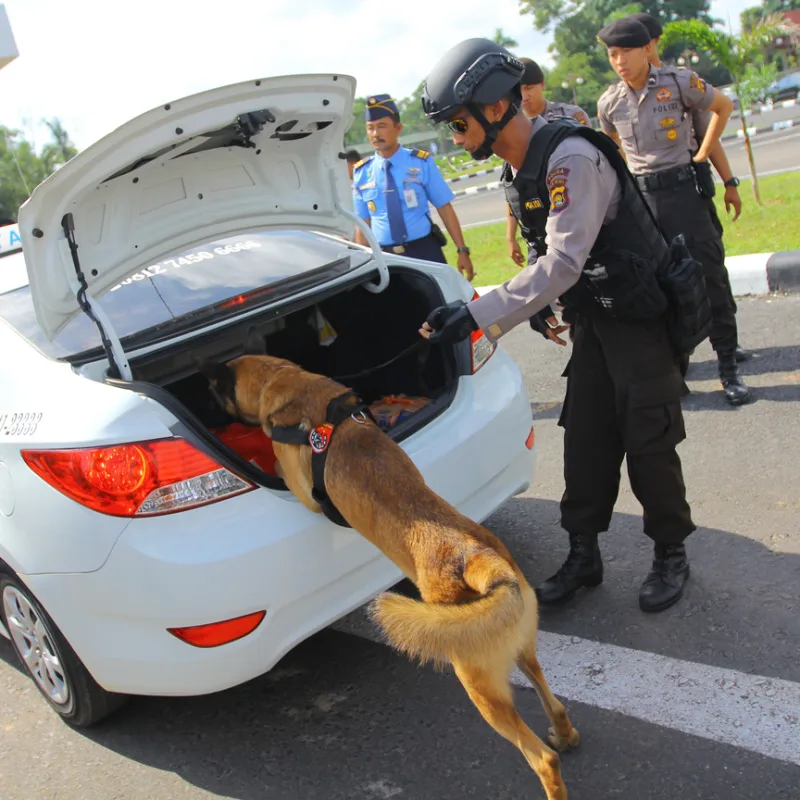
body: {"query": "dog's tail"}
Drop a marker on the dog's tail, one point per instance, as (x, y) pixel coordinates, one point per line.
(442, 632)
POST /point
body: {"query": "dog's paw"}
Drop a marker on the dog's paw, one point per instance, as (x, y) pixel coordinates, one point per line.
(559, 743)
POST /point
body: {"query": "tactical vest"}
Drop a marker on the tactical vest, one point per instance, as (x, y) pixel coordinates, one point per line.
(620, 274)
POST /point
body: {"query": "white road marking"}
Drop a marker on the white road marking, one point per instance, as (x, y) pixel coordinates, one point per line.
(753, 712)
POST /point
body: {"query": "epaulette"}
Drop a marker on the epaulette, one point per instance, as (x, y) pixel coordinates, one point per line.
(363, 161)
(423, 154)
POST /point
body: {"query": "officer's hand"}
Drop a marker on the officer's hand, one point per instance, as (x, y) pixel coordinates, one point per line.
(733, 200)
(546, 323)
(465, 266)
(449, 324)
(515, 252)
(700, 156)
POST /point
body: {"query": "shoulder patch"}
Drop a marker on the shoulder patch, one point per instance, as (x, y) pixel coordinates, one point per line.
(362, 162)
(423, 154)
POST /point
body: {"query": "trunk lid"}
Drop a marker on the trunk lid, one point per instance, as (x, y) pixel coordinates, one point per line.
(258, 155)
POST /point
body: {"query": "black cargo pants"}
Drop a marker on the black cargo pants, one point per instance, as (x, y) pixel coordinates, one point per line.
(680, 209)
(623, 398)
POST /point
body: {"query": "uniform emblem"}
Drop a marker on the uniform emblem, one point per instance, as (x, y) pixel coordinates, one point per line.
(696, 82)
(412, 170)
(557, 184)
(667, 122)
(369, 185)
(371, 206)
(532, 205)
(320, 437)
(662, 95)
(672, 134)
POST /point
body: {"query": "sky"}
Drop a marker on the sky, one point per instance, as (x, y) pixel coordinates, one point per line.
(95, 64)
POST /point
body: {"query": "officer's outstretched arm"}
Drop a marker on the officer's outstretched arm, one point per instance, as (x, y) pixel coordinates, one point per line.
(580, 194)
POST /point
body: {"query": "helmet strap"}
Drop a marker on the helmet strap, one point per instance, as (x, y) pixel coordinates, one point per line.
(491, 129)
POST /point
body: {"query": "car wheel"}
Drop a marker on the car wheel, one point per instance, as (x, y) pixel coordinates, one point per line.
(50, 661)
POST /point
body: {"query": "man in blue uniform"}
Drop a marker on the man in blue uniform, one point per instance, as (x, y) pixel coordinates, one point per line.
(392, 189)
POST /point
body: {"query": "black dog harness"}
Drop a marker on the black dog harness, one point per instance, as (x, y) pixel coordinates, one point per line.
(319, 439)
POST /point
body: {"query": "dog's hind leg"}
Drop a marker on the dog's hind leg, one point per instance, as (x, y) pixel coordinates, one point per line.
(561, 735)
(491, 693)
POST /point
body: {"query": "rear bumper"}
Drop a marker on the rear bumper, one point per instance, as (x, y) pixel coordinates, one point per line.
(265, 551)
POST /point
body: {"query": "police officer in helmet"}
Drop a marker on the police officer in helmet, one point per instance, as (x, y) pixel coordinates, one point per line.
(598, 250)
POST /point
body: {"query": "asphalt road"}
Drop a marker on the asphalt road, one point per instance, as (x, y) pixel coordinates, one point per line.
(774, 152)
(344, 717)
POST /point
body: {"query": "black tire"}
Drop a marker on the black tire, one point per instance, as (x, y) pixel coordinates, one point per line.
(85, 702)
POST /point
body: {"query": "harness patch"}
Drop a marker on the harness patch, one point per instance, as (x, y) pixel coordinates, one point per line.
(320, 437)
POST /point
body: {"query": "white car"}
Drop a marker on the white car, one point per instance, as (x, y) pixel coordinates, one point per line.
(145, 547)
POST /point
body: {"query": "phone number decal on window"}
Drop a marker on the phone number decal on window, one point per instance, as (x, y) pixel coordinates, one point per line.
(185, 260)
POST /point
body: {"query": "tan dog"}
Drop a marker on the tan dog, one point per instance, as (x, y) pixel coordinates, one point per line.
(478, 611)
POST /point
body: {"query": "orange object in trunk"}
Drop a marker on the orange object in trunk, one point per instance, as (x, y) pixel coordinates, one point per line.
(251, 443)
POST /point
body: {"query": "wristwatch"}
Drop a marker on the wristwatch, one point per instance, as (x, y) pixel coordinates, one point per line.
(733, 182)
(463, 249)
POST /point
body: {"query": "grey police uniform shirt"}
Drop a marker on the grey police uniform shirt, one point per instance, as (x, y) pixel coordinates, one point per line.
(552, 109)
(584, 194)
(655, 125)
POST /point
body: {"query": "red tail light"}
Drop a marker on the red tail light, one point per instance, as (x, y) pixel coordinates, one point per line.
(140, 479)
(218, 633)
(481, 347)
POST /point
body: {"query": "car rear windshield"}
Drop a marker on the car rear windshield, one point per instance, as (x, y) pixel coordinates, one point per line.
(191, 288)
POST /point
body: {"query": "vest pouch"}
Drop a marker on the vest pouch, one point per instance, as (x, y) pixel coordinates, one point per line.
(625, 285)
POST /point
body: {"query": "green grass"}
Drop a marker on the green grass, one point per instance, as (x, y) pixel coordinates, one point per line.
(773, 227)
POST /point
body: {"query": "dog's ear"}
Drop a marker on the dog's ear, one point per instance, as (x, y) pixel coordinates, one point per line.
(255, 344)
(219, 374)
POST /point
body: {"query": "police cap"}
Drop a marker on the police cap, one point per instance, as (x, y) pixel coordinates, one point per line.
(650, 22)
(624, 33)
(380, 106)
(533, 72)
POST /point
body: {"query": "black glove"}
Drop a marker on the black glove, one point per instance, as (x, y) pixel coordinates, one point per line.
(451, 323)
(539, 323)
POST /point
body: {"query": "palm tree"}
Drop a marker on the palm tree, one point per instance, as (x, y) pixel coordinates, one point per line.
(737, 54)
(60, 150)
(503, 40)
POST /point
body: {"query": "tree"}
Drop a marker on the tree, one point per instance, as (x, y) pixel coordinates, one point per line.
(22, 168)
(503, 40)
(737, 54)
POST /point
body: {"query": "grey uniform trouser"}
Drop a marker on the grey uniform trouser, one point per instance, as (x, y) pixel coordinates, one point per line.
(680, 209)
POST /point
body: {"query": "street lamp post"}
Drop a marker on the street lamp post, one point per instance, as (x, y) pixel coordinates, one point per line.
(572, 81)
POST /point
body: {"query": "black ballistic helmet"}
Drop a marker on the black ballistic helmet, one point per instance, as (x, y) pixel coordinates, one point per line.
(474, 73)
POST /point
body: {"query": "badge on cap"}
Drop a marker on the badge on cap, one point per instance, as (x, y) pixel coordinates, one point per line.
(662, 95)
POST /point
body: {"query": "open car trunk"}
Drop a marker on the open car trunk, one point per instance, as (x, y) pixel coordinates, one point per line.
(351, 335)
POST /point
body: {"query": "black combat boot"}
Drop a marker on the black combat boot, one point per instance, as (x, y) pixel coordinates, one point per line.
(741, 354)
(736, 393)
(583, 567)
(663, 587)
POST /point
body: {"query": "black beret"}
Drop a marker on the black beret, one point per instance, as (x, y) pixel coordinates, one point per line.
(533, 72)
(650, 22)
(624, 33)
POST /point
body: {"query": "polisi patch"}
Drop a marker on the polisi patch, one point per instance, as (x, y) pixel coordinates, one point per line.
(320, 437)
(534, 204)
(663, 94)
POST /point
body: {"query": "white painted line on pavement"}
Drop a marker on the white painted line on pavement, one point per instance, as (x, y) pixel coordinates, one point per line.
(749, 711)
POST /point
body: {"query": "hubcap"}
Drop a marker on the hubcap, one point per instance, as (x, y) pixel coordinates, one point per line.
(35, 644)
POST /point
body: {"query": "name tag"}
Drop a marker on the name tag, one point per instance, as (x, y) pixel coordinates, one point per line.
(411, 198)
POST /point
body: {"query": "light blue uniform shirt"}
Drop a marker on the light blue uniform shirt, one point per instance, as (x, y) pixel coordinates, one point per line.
(414, 171)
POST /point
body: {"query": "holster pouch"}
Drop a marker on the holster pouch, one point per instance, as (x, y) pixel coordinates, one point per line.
(704, 179)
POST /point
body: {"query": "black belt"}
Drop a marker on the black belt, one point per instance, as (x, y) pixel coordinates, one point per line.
(399, 249)
(666, 178)
(319, 439)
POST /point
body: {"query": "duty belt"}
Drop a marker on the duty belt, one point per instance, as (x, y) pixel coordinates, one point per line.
(399, 249)
(666, 178)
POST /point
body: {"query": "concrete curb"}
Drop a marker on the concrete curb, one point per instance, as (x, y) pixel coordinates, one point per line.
(753, 274)
(484, 187)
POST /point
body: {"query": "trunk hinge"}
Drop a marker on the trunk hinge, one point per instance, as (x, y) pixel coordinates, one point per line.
(117, 362)
(377, 253)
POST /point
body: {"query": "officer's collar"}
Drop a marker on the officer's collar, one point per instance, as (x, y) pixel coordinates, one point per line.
(379, 159)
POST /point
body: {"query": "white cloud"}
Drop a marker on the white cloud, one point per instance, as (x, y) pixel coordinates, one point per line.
(95, 65)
